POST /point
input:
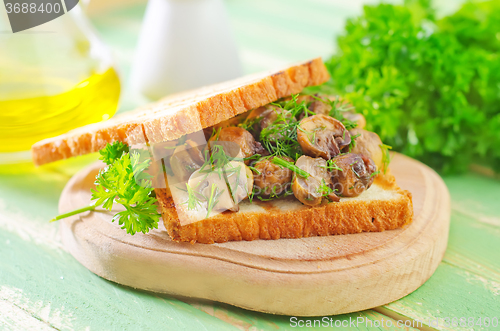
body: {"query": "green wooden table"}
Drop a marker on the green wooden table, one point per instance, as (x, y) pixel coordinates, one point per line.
(42, 287)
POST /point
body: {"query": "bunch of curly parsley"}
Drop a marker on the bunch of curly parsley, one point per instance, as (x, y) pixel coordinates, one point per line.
(430, 88)
(125, 182)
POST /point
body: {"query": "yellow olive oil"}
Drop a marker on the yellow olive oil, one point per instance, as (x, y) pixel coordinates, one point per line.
(26, 120)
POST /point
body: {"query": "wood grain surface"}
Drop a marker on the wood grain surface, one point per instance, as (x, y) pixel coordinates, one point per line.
(303, 277)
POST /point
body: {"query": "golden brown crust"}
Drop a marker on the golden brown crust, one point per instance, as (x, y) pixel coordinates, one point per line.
(346, 217)
(174, 116)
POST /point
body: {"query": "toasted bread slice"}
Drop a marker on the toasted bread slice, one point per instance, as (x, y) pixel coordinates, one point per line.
(183, 113)
(384, 206)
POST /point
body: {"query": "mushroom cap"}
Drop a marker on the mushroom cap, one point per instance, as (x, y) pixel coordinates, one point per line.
(368, 144)
(235, 140)
(356, 175)
(322, 136)
(309, 191)
(272, 178)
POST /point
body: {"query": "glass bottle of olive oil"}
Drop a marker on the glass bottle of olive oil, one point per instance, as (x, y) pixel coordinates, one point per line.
(53, 78)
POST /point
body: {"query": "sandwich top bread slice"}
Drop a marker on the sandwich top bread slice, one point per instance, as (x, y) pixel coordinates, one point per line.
(249, 159)
(183, 113)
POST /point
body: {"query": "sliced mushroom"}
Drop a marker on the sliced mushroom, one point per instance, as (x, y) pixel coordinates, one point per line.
(185, 160)
(211, 190)
(322, 136)
(239, 179)
(368, 144)
(354, 176)
(310, 191)
(237, 142)
(272, 179)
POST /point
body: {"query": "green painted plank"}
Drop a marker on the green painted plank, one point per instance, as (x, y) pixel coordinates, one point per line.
(14, 318)
(476, 196)
(40, 279)
(451, 292)
(52, 286)
(474, 246)
(467, 283)
(251, 320)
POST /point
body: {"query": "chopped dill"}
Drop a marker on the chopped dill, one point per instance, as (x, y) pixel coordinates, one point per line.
(338, 107)
(324, 189)
(193, 202)
(331, 165)
(274, 194)
(280, 138)
(257, 171)
(386, 157)
(213, 200)
(352, 144)
(291, 166)
(249, 124)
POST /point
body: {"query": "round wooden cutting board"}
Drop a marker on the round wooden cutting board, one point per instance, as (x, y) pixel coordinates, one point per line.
(301, 277)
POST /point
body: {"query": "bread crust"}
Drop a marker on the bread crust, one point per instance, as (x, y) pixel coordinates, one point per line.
(183, 113)
(347, 217)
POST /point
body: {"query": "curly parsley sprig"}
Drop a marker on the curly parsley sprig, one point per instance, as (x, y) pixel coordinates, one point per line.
(124, 181)
(428, 86)
(112, 152)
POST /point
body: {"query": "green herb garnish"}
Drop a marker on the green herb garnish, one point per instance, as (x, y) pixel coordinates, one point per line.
(324, 189)
(213, 199)
(331, 165)
(193, 202)
(352, 144)
(124, 181)
(280, 138)
(249, 124)
(337, 109)
(274, 195)
(279, 161)
(112, 152)
(257, 171)
(386, 156)
(427, 86)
